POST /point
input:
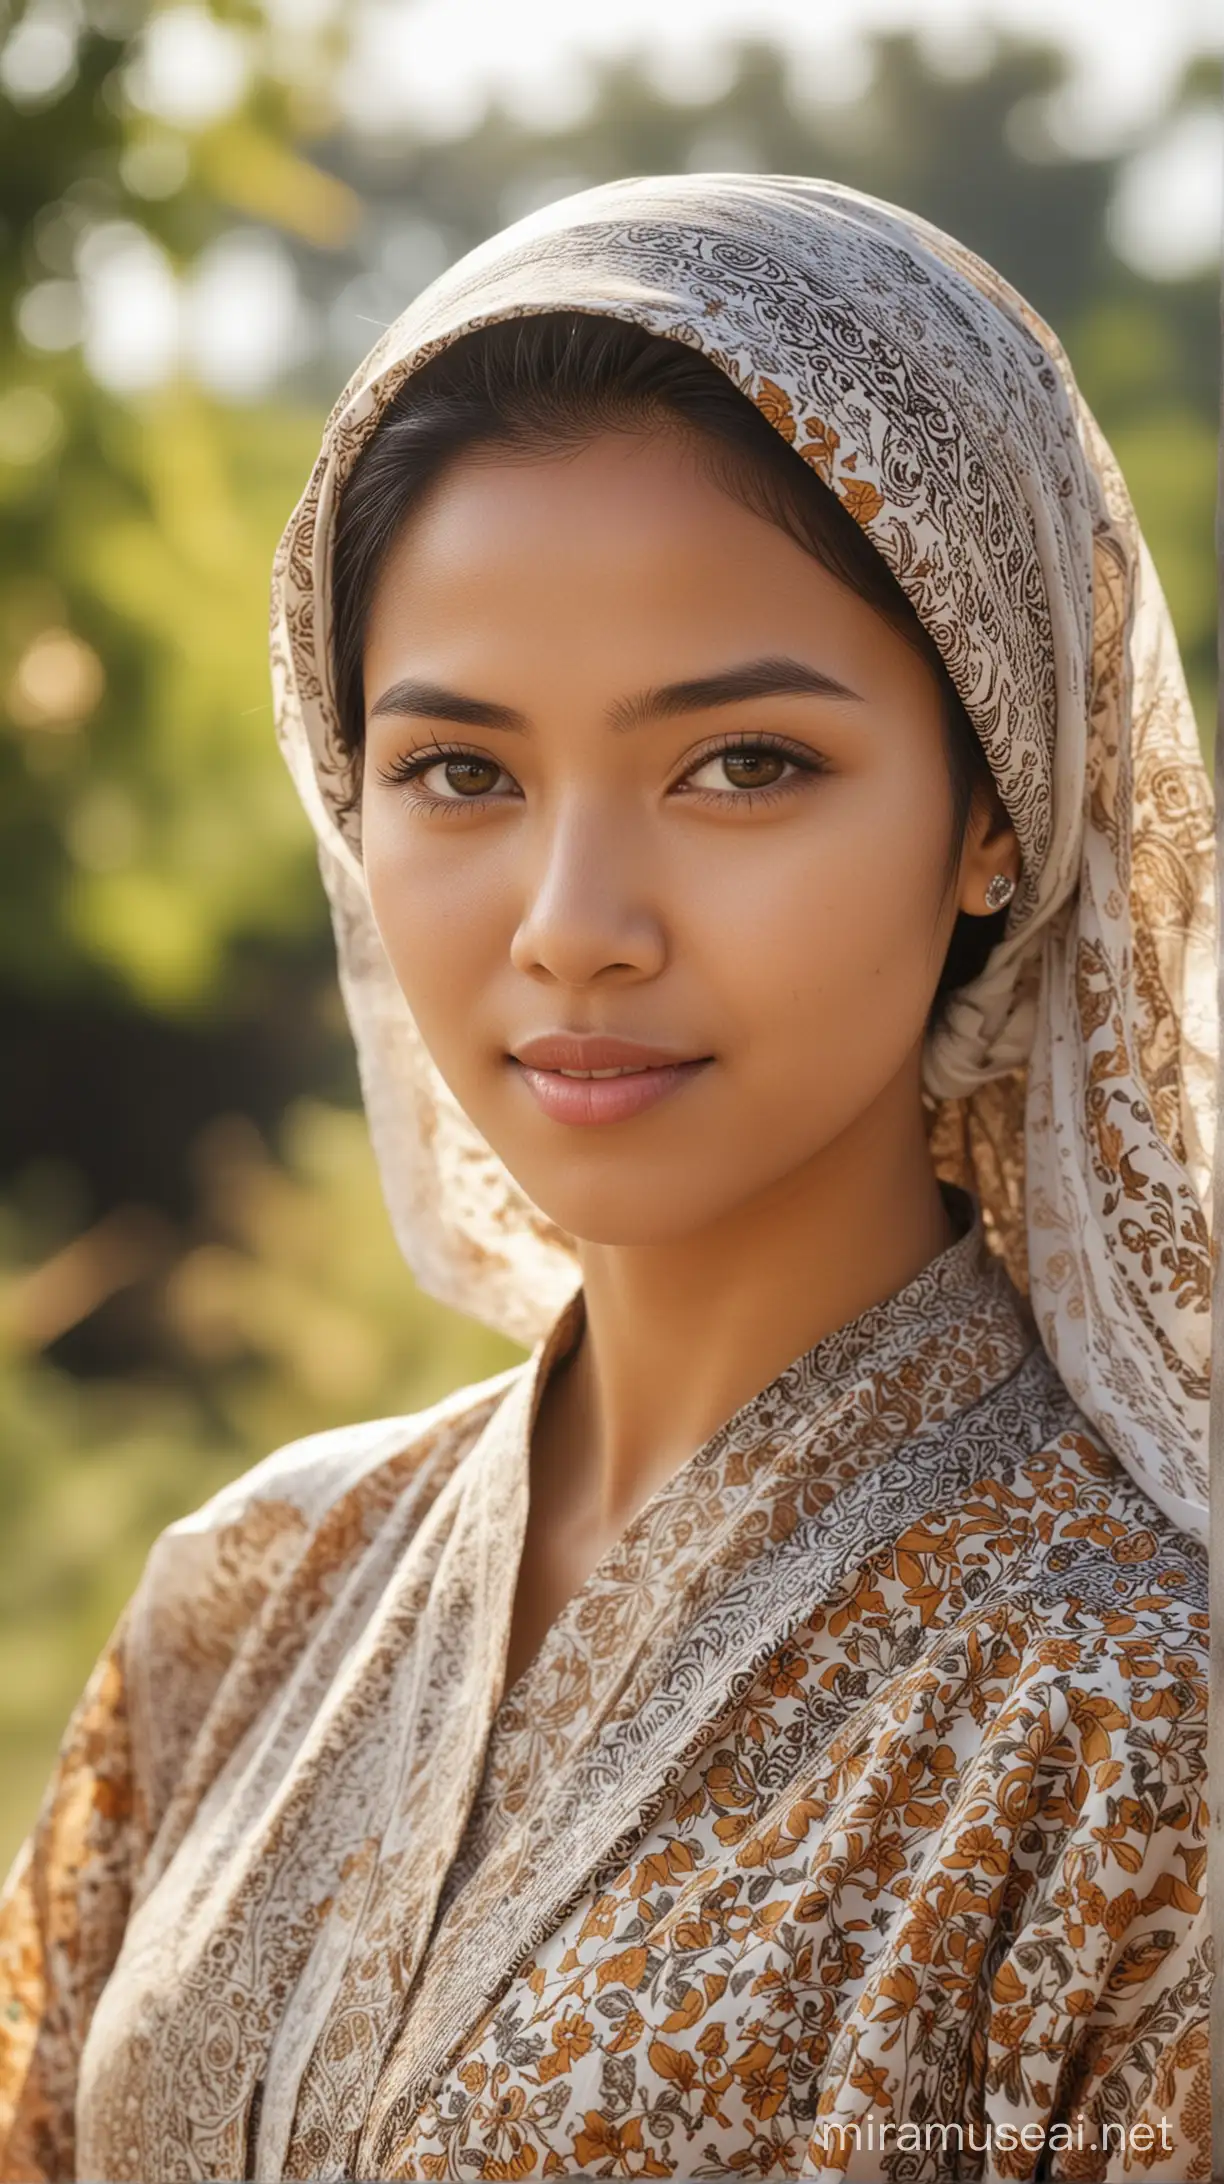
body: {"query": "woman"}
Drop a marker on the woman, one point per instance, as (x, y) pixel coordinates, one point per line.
(763, 1733)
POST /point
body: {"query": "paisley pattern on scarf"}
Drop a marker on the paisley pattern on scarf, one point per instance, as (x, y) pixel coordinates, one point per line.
(860, 1786)
(1072, 1088)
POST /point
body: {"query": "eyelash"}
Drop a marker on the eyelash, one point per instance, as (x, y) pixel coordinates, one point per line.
(402, 772)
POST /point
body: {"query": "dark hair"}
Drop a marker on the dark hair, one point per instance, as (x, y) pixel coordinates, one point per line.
(552, 381)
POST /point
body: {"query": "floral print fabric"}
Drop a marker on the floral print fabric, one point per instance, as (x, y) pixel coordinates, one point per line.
(860, 1787)
(851, 1819)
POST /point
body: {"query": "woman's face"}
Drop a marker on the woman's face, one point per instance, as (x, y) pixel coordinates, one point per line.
(692, 793)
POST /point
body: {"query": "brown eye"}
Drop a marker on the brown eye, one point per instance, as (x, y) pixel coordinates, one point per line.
(753, 769)
(469, 776)
(741, 766)
(444, 778)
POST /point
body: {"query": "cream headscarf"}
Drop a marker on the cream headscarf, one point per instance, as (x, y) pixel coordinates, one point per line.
(1073, 1086)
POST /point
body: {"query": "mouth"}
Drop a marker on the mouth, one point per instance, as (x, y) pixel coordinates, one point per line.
(590, 1076)
(602, 1090)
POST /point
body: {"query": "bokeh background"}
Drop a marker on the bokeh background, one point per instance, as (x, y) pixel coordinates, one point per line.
(207, 216)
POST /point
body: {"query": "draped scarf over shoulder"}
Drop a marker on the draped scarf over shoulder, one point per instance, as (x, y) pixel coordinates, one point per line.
(865, 1774)
(1072, 1088)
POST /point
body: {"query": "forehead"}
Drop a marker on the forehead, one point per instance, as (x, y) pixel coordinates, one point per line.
(618, 565)
(621, 513)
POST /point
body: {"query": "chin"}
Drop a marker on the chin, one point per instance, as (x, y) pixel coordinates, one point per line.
(638, 1210)
(589, 1225)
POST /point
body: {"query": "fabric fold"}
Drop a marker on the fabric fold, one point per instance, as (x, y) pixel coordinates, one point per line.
(864, 1777)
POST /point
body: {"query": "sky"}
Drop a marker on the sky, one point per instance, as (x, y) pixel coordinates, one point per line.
(437, 56)
(435, 62)
(432, 64)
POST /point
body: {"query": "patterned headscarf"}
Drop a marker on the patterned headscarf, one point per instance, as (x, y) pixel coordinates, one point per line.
(1072, 1085)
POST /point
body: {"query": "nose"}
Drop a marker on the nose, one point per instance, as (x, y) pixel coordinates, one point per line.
(589, 910)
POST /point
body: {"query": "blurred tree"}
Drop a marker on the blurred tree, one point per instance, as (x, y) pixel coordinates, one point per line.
(197, 248)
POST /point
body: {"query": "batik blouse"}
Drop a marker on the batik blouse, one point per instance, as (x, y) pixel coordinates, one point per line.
(850, 1819)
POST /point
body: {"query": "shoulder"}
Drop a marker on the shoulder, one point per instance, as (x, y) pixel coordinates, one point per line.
(1094, 1541)
(1090, 1634)
(290, 1529)
(307, 1477)
(1043, 1594)
(1102, 1742)
(340, 1482)
(1036, 1505)
(1057, 1673)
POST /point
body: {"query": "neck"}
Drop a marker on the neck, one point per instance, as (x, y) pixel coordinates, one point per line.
(679, 1335)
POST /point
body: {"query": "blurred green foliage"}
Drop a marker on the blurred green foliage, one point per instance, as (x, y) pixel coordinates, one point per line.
(194, 1261)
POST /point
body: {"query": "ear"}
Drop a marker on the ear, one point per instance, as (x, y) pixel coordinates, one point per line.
(990, 847)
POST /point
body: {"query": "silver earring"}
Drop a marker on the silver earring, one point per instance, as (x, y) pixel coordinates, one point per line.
(1000, 890)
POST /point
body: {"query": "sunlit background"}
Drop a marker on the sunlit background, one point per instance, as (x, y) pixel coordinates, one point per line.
(207, 216)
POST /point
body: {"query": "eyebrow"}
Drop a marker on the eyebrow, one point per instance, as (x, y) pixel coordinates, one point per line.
(771, 677)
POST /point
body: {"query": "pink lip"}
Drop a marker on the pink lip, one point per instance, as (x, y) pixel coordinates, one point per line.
(657, 1072)
(595, 1050)
(605, 1099)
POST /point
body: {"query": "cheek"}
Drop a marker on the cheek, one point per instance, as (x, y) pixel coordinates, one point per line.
(826, 934)
(440, 915)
